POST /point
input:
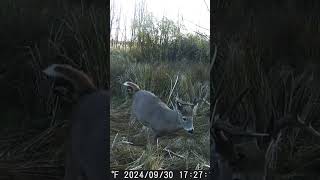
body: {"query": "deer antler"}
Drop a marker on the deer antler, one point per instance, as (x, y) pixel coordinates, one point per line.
(183, 102)
(295, 121)
(224, 145)
(235, 131)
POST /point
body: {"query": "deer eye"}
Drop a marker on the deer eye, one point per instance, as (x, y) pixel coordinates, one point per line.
(184, 118)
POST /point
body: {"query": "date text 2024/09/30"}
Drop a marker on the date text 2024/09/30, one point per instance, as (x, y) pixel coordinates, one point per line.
(160, 174)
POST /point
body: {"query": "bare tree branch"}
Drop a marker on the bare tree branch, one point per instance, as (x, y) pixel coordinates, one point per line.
(206, 5)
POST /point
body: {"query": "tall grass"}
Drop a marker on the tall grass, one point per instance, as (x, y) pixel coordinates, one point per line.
(41, 33)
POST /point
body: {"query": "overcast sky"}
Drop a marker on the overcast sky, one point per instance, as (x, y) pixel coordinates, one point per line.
(195, 13)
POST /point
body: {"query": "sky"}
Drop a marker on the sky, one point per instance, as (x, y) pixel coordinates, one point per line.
(195, 13)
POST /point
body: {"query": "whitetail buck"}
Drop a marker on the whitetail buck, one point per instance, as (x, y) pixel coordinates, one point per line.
(150, 111)
(86, 153)
(245, 160)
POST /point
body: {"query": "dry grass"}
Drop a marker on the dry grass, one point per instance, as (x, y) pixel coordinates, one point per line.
(33, 154)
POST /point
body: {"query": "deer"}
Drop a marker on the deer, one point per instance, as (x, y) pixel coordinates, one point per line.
(153, 113)
(86, 151)
(246, 159)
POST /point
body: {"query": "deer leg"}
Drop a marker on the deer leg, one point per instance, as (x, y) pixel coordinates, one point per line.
(148, 135)
(155, 139)
(132, 120)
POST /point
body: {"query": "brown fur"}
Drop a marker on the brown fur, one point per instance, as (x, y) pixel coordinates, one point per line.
(81, 83)
(86, 149)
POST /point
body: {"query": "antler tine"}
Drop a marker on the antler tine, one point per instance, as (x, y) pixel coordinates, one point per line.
(235, 131)
(183, 102)
(176, 98)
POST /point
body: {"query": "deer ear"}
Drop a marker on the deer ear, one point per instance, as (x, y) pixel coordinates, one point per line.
(178, 104)
(195, 108)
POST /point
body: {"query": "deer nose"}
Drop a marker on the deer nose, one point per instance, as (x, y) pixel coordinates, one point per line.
(190, 131)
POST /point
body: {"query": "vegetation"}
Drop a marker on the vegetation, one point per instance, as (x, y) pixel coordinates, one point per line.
(277, 67)
(157, 56)
(35, 34)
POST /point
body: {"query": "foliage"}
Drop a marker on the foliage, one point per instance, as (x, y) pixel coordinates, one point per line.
(157, 55)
